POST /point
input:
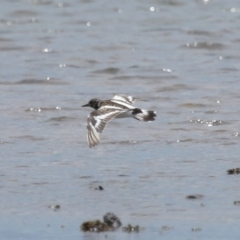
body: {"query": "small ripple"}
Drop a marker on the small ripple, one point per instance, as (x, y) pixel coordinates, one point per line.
(179, 129)
(23, 13)
(175, 87)
(211, 112)
(200, 32)
(40, 183)
(5, 142)
(194, 105)
(209, 123)
(85, 177)
(21, 166)
(173, 2)
(232, 10)
(30, 138)
(61, 119)
(40, 2)
(18, 22)
(47, 81)
(185, 140)
(34, 109)
(228, 69)
(12, 48)
(205, 45)
(219, 131)
(5, 39)
(61, 5)
(110, 70)
(131, 142)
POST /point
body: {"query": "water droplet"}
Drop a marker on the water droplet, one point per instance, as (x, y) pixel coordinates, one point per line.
(88, 24)
(167, 70)
(120, 10)
(236, 134)
(152, 9)
(35, 109)
(60, 5)
(46, 50)
(62, 65)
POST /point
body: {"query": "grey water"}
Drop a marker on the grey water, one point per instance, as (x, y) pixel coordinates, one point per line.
(183, 57)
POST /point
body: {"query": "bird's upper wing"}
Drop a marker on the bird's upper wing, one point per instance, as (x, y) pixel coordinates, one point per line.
(125, 98)
(97, 121)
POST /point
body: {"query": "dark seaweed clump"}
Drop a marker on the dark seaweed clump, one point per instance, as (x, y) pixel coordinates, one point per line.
(110, 223)
(55, 207)
(236, 203)
(233, 171)
(94, 226)
(129, 228)
(195, 196)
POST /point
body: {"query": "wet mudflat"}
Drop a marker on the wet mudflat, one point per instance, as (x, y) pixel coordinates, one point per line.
(170, 176)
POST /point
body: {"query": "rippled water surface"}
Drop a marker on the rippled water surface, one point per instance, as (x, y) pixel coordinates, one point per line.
(181, 56)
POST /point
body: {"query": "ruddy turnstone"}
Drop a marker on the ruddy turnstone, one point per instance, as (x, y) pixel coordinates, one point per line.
(120, 106)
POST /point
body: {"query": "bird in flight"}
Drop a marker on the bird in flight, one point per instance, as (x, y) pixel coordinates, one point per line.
(120, 106)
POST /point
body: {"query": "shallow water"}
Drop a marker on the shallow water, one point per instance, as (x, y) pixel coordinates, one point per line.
(181, 56)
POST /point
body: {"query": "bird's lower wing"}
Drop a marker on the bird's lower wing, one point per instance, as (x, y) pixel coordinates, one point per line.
(96, 123)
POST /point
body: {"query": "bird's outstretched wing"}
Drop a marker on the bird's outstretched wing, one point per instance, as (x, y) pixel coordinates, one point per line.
(125, 98)
(97, 121)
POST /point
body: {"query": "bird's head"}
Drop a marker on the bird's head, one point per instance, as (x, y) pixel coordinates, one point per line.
(93, 103)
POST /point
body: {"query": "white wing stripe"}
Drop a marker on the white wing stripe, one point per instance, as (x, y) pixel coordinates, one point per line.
(124, 98)
(111, 107)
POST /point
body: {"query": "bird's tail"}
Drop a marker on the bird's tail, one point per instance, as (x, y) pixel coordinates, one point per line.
(144, 115)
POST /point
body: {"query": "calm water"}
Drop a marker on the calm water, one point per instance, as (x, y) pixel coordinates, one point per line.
(181, 56)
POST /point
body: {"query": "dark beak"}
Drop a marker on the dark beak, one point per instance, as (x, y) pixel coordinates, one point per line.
(86, 105)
